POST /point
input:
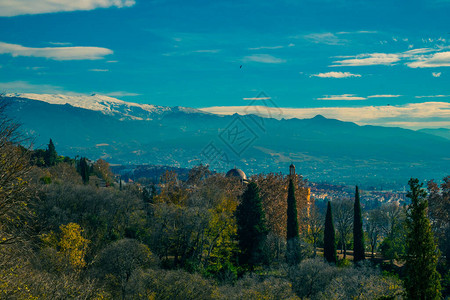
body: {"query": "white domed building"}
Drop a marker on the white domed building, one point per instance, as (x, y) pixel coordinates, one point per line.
(237, 173)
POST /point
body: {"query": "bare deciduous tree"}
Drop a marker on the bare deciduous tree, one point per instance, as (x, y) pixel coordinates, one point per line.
(343, 218)
(14, 188)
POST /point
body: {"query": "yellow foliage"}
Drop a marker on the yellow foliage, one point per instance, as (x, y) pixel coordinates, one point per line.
(73, 245)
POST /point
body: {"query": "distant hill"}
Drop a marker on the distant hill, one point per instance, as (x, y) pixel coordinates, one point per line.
(442, 132)
(322, 149)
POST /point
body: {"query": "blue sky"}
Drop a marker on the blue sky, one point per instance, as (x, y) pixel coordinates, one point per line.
(304, 54)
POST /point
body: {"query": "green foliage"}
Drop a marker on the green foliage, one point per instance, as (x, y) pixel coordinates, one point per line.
(422, 280)
(50, 154)
(329, 240)
(169, 284)
(344, 263)
(251, 227)
(84, 170)
(292, 222)
(254, 287)
(118, 261)
(315, 279)
(104, 214)
(45, 180)
(358, 233)
(292, 237)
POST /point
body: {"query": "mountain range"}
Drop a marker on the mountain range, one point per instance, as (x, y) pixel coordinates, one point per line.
(322, 149)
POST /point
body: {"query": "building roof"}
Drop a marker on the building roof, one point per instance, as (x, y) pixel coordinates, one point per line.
(236, 173)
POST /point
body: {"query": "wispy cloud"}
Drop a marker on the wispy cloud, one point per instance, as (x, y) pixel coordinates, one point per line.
(358, 32)
(257, 98)
(368, 59)
(384, 96)
(206, 51)
(433, 96)
(411, 115)
(327, 38)
(436, 74)
(60, 43)
(36, 68)
(32, 7)
(181, 53)
(56, 53)
(99, 70)
(267, 47)
(414, 58)
(263, 58)
(336, 75)
(27, 87)
(441, 59)
(348, 97)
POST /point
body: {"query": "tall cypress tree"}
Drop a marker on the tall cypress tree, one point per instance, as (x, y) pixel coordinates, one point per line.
(84, 170)
(422, 280)
(329, 239)
(50, 154)
(358, 233)
(251, 227)
(292, 237)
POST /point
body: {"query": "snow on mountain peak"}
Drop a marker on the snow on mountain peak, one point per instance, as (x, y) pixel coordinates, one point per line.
(105, 104)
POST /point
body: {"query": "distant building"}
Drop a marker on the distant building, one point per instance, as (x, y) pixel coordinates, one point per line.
(292, 170)
(237, 173)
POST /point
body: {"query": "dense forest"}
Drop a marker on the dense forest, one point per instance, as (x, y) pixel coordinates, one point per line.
(71, 229)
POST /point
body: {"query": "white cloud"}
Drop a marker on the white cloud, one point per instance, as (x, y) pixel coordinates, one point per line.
(267, 47)
(412, 115)
(59, 43)
(368, 59)
(35, 68)
(327, 38)
(410, 53)
(433, 96)
(258, 98)
(56, 53)
(414, 58)
(383, 96)
(9, 8)
(99, 70)
(349, 97)
(440, 59)
(336, 75)
(355, 32)
(263, 58)
(207, 51)
(26, 87)
(436, 74)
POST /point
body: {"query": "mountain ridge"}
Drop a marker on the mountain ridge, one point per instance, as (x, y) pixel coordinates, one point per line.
(323, 149)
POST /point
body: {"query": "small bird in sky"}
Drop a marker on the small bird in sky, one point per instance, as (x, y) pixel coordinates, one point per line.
(240, 67)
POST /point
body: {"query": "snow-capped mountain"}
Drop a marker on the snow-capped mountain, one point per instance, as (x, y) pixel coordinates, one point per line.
(107, 105)
(325, 149)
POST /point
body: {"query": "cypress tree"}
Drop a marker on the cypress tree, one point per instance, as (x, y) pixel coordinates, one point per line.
(251, 227)
(292, 237)
(50, 154)
(422, 281)
(329, 239)
(358, 233)
(84, 170)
